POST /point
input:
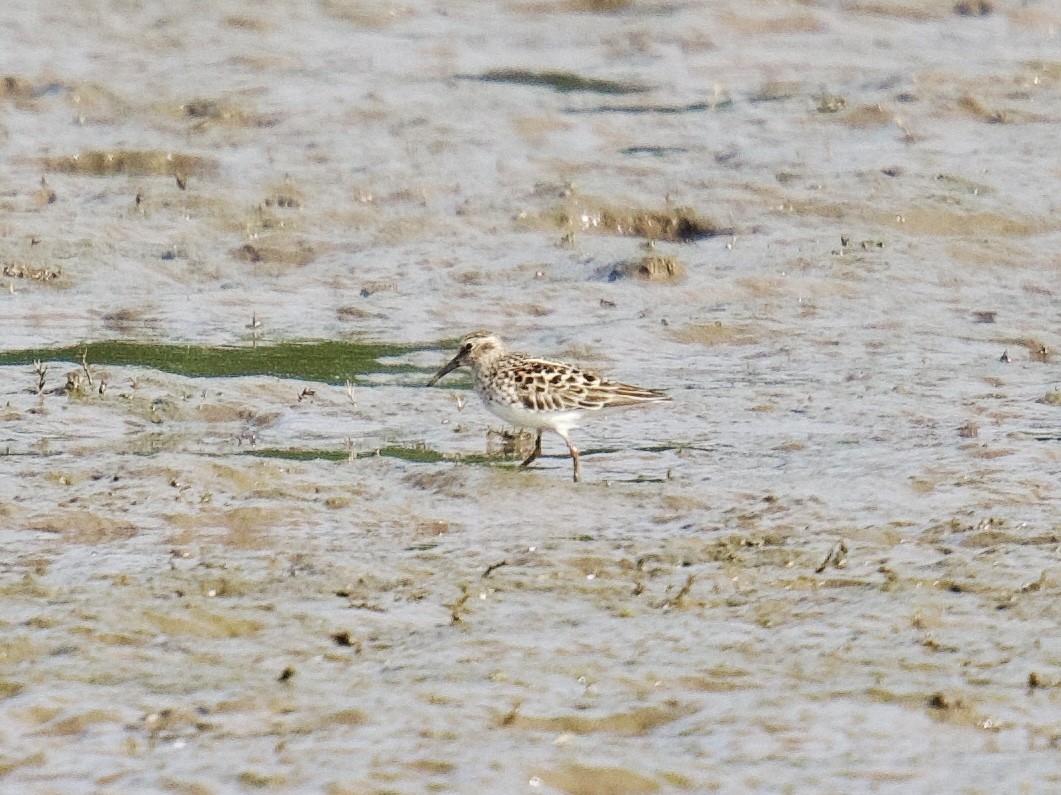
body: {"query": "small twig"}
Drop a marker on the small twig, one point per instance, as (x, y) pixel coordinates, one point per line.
(255, 327)
(455, 608)
(684, 590)
(837, 557)
(494, 567)
(41, 370)
(84, 366)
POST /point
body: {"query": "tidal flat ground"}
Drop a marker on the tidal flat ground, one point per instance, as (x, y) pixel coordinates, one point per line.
(244, 548)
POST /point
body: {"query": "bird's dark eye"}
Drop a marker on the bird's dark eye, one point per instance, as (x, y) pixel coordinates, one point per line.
(467, 348)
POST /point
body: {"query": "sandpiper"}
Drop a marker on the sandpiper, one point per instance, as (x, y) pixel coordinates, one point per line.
(538, 393)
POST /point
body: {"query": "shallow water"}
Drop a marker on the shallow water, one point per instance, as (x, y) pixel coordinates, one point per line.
(266, 557)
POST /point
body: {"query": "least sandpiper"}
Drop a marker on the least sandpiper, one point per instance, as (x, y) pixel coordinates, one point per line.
(538, 393)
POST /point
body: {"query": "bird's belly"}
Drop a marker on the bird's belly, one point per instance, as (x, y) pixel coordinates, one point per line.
(522, 417)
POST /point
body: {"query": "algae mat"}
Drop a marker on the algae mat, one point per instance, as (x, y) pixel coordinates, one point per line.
(326, 361)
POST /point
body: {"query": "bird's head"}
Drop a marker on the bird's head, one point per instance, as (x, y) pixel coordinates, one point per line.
(475, 349)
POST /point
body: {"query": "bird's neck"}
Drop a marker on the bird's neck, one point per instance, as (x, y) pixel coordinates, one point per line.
(490, 361)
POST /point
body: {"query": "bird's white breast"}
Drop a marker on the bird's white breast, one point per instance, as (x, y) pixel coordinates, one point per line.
(518, 415)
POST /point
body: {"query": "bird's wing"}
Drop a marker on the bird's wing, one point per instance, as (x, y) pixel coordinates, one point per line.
(555, 386)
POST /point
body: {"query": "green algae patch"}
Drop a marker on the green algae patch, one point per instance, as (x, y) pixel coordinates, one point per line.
(418, 455)
(299, 454)
(325, 361)
(723, 103)
(424, 455)
(564, 82)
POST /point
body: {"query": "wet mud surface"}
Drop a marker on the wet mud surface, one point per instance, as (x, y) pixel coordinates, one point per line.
(244, 548)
